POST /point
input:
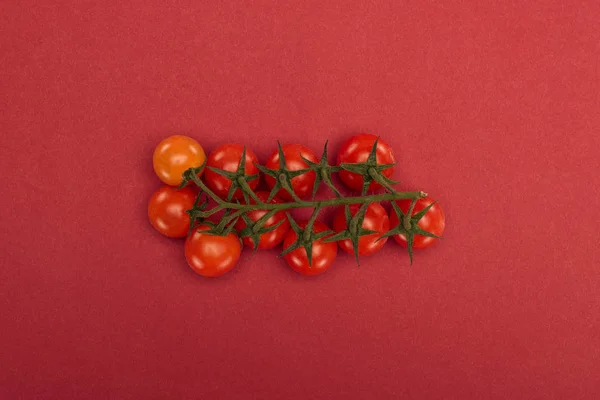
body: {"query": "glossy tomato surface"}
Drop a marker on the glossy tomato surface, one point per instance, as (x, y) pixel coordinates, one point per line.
(376, 219)
(302, 184)
(323, 254)
(357, 150)
(434, 221)
(174, 155)
(167, 210)
(211, 255)
(270, 239)
(227, 157)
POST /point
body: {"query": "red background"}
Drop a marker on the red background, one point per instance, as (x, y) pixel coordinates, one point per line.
(492, 107)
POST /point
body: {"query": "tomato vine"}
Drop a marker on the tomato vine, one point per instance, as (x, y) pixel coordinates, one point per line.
(370, 170)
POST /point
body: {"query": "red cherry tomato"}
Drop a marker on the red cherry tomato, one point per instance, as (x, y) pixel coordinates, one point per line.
(357, 150)
(433, 221)
(211, 255)
(302, 184)
(270, 239)
(167, 210)
(227, 158)
(376, 219)
(323, 254)
(174, 155)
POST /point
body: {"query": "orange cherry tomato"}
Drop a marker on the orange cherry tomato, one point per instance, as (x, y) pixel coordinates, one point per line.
(174, 155)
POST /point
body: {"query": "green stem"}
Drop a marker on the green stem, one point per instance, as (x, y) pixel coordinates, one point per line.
(263, 220)
(299, 203)
(205, 189)
(212, 211)
(311, 221)
(408, 215)
(286, 186)
(338, 201)
(246, 188)
(329, 183)
(377, 178)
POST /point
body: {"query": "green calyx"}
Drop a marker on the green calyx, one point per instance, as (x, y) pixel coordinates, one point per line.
(254, 229)
(226, 224)
(239, 179)
(283, 177)
(323, 172)
(195, 212)
(408, 225)
(371, 171)
(307, 236)
(354, 229)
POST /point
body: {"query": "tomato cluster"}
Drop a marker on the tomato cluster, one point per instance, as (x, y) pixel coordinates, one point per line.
(231, 175)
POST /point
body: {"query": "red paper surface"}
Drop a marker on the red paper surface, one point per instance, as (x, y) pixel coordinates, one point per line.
(492, 107)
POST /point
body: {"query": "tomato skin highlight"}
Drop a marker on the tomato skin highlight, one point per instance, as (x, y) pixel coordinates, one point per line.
(270, 239)
(174, 155)
(376, 219)
(357, 150)
(302, 184)
(434, 221)
(227, 157)
(167, 211)
(211, 255)
(323, 254)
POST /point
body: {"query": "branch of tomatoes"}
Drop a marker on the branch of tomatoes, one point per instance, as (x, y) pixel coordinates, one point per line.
(260, 219)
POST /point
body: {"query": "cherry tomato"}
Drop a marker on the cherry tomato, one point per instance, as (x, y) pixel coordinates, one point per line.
(433, 221)
(167, 210)
(376, 219)
(227, 158)
(357, 150)
(211, 255)
(323, 254)
(174, 155)
(270, 239)
(302, 184)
